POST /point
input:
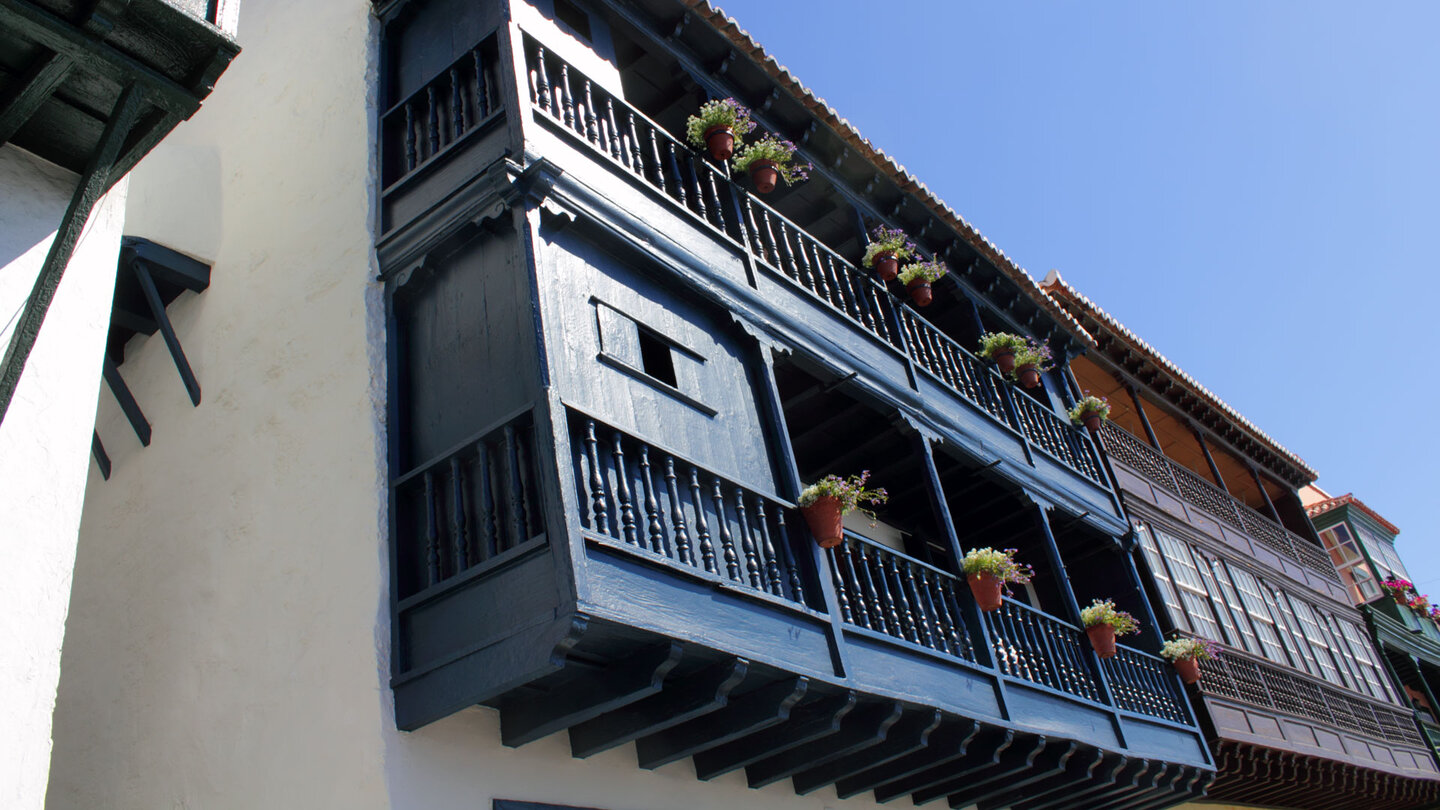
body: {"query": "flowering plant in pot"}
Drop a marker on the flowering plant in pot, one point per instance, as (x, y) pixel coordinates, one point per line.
(770, 159)
(919, 276)
(1090, 412)
(825, 503)
(888, 246)
(1420, 603)
(1397, 589)
(1000, 348)
(1187, 653)
(1103, 622)
(989, 571)
(1030, 360)
(719, 127)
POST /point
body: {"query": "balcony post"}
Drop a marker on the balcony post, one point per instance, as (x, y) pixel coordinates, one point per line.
(1424, 683)
(789, 485)
(1209, 459)
(1144, 420)
(1269, 504)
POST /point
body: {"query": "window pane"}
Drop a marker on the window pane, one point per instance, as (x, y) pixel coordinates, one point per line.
(1349, 669)
(1192, 589)
(1237, 608)
(1319, 644)
(1260, 617)
(1217, 601)
(1162, 579)
(1289, 630)
(1365, 656)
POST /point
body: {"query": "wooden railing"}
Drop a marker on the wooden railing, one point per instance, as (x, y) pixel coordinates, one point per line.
(467, 506)
(884, 590)
(1181, 481)
(657, 503)
(1245, 679)
(1040, 648)
(449, 107)
(1144, 683)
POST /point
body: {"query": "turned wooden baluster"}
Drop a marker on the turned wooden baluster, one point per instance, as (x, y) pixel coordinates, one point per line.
(756, 238)
(674, 171)
(432, 532)
(598, 500)
(482, 93)
(878, 597)
(542, 83)
(677, 514)
(617, 149)
(722, 525)
(845, 575)
(702, 529)
(410, 148)
(622, 491)
(787, 257)
(655, 157)
(797, 588)
(747, 543)
(566, 110)
(772, 567)
(637, 155)
(516, 487)
(697, 193)
(432, 122)
(457, 104)
(655, 531)
(922, 619)
(591, 133)
(842, 588)
(906, 611)
(457, 515)
(714, 190)
(489, 529)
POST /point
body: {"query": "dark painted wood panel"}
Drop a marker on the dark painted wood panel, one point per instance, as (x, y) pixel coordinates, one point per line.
(433, 36)
(1035, 710)
(449, 170)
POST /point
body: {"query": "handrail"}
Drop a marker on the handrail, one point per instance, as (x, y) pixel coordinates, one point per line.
(884, 590)
(451, 105)
(1183, 482)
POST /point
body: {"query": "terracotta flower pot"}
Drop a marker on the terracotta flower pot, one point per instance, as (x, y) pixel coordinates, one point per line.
(1102, 638)
(1029, 375)
(764, 174)
(986, 590)
(1005, 359)
(1091, 421)
(826, 521)
(920, 292)
(1189, 670)
(887, 267)
(720, 140)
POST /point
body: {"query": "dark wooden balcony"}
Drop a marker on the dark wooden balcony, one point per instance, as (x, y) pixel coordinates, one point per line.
(1206, 506)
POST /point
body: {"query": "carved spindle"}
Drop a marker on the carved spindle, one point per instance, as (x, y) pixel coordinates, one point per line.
(637, 155)
(846, 584)
(675, 172)
(874, 604)
(877, 298)
(714, 196)
(410, 150)
(543, 83)
(757, 242)
(905, 609)
(767, 549)
(747, 543)
(432, 532)
(432, 121)
(515, 486)
(482, 93)
(887, 599)
(489, 539)
(677, 514)
(842, 587)
(598, 500)
(457, 103)
(940, 620)
(772, 246)
(797, 587)
(567, 108)
(591, 133)
(654, 529)
(800, 259)
(697, 191)
(617, 150)
(622, 491)
(659, 174)
(727, 545)
(702, 529)
(788, 258)
(458, 534)
(922, 620)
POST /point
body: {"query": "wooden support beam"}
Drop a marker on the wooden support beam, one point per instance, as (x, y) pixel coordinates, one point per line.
(909, 735)
(128, 405)
(93, 182)
(1117, 769)
(102, 459)
(862, 729)
(765, 707)
(528, 719)
(1000, 790)
(947, 744)
(706, 691)
(157, 309)
(813, 721)
(28, 92)
(983, 753)
(1078, 771)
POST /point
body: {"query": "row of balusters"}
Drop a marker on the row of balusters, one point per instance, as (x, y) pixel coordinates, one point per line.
(1144, 684)
(881, 590)
(442, 112)
(664, 505)
(468, 508)
(959, 369)
(1038, 648)
(628, 138)
(1058, 437)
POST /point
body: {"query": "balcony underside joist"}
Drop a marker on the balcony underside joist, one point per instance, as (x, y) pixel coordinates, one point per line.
(1252, 774)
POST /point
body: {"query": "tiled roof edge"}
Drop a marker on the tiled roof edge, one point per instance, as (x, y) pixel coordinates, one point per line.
(1349, 499)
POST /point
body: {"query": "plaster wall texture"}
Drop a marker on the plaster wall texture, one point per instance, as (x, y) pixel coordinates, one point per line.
(44, 450)
(229, 630)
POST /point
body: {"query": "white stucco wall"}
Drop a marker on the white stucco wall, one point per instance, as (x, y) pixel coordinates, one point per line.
(44, 450)
(228, 636)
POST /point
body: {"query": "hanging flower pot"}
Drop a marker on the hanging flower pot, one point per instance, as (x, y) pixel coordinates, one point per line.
(887, 247)
(718, 127)
(887, 266)
(1000, 348)
(825, 502)
(1028, 375)
(1004, 360)
(1189, 670)
(1186, 654)
(768, 161)
(826, 521)
(986, 590)
(988, 572)
(1091, 411)
(720, 141)
(764, 174)
(920, 292)
(1102, 638)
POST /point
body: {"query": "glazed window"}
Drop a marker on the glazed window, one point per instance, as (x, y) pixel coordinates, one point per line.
(1192, 589)
(1161, 576)
(1367, 664)
(1310, 626)
(1260, 617)
(1237, 607)
(1354, 571)
(1383, 551)
(1289, 629)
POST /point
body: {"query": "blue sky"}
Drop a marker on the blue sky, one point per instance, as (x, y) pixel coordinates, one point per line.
(1251, 187)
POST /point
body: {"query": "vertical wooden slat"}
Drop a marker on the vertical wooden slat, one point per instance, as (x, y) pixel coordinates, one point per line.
(747, 542)
(677, 515)
(654, 530)
(722, 526)
(432, 532)
(622, 492)
(458, 533)
(702, 529)
(489, 528)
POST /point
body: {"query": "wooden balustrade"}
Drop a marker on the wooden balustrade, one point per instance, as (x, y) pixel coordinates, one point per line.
(450, 106)
(467, 506)
(1145, 684)
(1184, 483)
(1042, 649)
(886, 591)
(1234, 676)
(658, 503)
(1059, 437)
